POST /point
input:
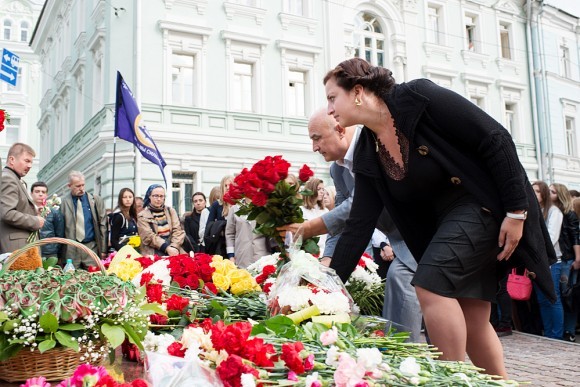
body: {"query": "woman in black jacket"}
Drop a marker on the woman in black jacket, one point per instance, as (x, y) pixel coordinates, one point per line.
(449, 176)
(569, 242)
(123, 219)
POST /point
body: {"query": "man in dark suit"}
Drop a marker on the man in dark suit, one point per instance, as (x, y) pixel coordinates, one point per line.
(337, 144)
(18, 214)
(85, 221)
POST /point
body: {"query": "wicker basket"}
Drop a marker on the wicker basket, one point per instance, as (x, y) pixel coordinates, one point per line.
(55, 364)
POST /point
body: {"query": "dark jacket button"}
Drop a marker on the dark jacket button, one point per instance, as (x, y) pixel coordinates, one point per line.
(455, 180)
(423, 150)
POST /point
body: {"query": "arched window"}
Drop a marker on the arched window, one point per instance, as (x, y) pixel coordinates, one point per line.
(7, 29)
(24, 31)
(369, 40)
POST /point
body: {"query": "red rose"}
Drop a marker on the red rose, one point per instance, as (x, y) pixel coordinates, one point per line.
(176, 349)
(281, 167)
(139, 383)
(305, 173)
(154, 293)
(260, 199)
(291, 356)
(177, 303)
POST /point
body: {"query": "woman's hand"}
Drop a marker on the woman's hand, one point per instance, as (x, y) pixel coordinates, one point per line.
(172, 251)
(510, 234)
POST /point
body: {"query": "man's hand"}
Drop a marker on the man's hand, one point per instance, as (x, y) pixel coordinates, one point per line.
(41, 221)
(326, 261)
(510, 234)
(576, 264)
(387, 253)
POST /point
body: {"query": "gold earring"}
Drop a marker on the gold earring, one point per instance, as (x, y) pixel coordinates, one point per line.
(357, 101)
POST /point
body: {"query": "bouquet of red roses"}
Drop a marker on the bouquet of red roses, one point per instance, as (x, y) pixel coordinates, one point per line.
(265, 196)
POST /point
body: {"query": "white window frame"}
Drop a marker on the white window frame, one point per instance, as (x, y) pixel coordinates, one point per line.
(289, 7)
(243, 89)
(182, 86)
(249, 49)
(570, 135)
(7, 28)
(178, 185)
(24, 29)
(506, 36)
(435, 21)
(472, 32)
(366, 30)
(297, 95)
(565, 62)
(15, 124)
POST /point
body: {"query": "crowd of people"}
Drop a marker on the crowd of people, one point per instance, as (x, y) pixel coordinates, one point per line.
(445, 255)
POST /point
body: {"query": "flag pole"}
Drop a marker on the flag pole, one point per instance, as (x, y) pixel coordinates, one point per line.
(113, 176)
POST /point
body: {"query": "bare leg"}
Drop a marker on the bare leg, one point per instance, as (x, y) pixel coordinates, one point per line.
(483, 345)
(445, 324)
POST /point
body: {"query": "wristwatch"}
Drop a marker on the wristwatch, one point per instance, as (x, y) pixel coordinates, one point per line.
(513, 215)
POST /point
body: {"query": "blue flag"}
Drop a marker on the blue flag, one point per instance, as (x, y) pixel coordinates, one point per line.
(129, 126)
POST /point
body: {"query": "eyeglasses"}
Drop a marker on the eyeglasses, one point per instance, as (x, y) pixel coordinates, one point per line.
(158, 196)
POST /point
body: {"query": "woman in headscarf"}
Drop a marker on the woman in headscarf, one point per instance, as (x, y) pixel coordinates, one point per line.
(159, 226)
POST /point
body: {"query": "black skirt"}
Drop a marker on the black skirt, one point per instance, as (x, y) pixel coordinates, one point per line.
(461, 259)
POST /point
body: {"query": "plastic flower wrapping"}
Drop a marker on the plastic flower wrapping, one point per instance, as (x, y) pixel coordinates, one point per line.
(305, 289)
(40, 310)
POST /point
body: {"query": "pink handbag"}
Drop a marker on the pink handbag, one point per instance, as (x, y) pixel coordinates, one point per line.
(519, 287)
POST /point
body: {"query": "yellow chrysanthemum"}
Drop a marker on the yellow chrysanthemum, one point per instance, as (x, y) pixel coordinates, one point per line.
(126, 269)
(221, 281)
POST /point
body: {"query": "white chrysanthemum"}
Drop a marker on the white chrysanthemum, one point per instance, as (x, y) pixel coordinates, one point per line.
(331, 303)
(159, 270)
(332, 356)
(257, 267)
(360, 274)
(369, 358)
(410, 367)
(248, 380)
(195, 336)
(296, 298)
(157, 343)
(370, 264)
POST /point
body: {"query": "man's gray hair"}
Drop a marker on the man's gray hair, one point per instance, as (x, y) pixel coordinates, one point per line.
(75, 175)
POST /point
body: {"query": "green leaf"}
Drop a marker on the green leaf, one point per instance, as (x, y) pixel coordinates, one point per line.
(10, 325)
(282, 326)
(46, 345)
(10, 351)
(153, 308)
(114, 333)
(133, 336)
(49, 262)
(49, 322)
(263, 217)
(3, 317)
(66, 340)
(71, 327)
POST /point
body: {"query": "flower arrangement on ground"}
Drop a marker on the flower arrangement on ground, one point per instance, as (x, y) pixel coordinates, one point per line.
(271, 201)
(41, 310)
(305, 289)
(366, 287)
(278, 352)
(86, 375)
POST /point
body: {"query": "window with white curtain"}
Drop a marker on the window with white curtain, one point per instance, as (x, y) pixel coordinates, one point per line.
(505, 40)
(7, 29)
(24, 31)
(296, 93)
(435, 24)
(369, 39)
(570, 128)
(243, 90)
(182, 79)
(295, 7)
(565, 61)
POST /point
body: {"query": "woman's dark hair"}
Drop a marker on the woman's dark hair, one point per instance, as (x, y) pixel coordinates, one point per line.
(128, 213)
(546, 202)
(199, 194)
(357, 71)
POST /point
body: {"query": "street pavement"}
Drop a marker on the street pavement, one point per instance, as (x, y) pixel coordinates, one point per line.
(541, 361)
